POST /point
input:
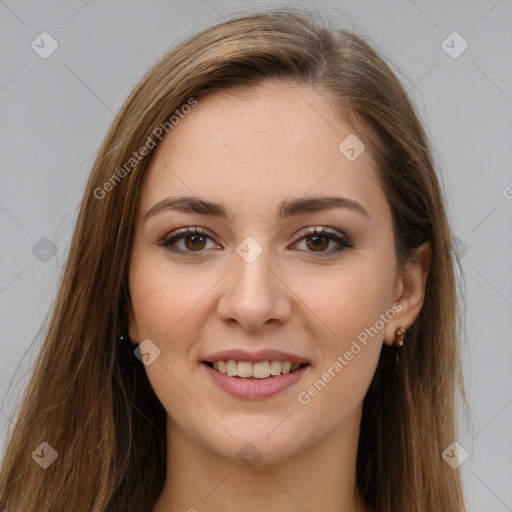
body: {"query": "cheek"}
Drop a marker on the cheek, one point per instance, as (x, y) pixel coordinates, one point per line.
(163, 295)
(167, 301)
(351, 299)
(353, 308)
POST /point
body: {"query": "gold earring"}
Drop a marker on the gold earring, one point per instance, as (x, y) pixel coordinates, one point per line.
(399, 339)
(400, 336)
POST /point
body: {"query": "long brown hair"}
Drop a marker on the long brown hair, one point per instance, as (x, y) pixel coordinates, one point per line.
(89, 397)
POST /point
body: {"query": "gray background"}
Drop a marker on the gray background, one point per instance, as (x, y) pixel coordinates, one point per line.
(56, 111)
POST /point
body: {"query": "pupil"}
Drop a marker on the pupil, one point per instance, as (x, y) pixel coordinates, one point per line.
(324, 245)
(194, 242)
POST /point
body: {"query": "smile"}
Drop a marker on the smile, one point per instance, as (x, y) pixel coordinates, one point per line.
(243, 379)
(261, 370)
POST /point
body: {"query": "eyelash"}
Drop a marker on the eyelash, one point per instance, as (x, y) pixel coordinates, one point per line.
(178, 234)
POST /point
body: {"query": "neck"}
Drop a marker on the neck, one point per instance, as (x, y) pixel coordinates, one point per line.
(320, 478)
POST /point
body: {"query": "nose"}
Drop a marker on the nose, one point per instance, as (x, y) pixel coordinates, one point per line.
(254, 295)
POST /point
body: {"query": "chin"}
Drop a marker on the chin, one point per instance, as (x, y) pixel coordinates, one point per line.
(261, 443)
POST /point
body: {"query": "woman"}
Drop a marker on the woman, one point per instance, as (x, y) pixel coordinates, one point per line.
(259, 306)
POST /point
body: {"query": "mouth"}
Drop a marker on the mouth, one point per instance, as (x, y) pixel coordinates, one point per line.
(254, 381)
(254, 371)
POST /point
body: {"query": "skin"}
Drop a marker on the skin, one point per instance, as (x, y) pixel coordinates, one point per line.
(249, 153)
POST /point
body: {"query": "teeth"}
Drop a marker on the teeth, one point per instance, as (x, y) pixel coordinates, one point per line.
(260, 370)
(275, 368)
(232, 368)
(244, 369)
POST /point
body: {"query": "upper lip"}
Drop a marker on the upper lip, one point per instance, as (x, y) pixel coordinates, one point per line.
(255, 357)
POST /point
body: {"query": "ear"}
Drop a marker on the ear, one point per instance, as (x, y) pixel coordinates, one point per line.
(410, 291)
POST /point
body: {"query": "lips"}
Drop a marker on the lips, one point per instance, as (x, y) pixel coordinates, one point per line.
(254, 375)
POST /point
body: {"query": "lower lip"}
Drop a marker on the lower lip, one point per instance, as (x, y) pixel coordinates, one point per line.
(253, 389)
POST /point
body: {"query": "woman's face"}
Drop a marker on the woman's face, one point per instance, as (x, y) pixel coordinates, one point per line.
(256, 279)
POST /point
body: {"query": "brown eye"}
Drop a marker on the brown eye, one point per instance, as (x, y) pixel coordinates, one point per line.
(317, 240)
(197, 242)
(194, 241)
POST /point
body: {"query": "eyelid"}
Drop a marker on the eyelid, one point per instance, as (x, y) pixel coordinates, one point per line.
(316, 230)
(332, 234)
(310, 230)
(187, 231)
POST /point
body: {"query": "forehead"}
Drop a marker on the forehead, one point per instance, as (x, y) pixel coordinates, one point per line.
(253, 147)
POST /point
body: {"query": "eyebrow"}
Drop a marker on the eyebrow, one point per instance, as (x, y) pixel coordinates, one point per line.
(287, 208)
